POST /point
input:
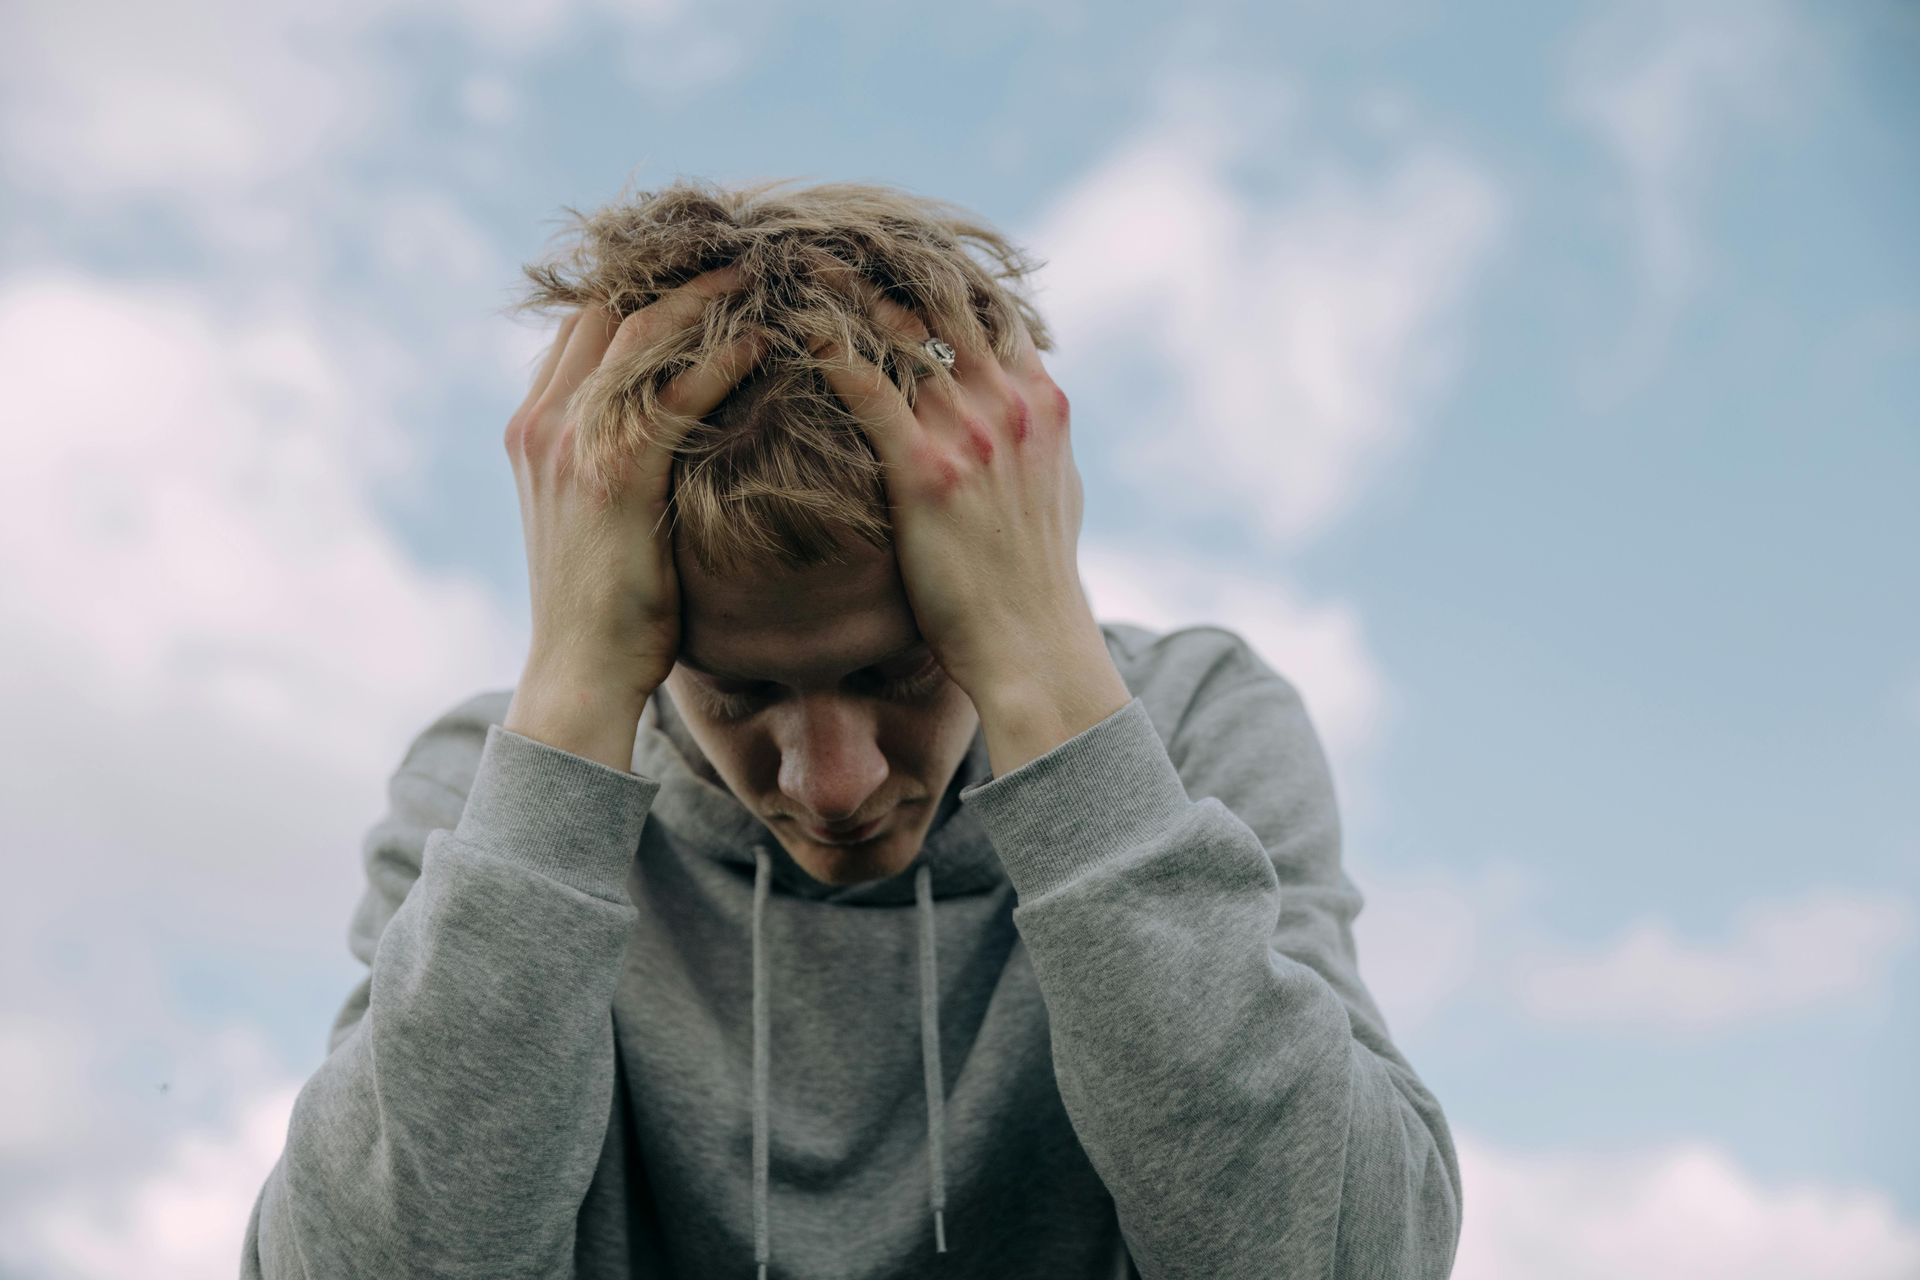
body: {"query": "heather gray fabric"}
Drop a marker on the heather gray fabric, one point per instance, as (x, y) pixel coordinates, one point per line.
(1108, 1023)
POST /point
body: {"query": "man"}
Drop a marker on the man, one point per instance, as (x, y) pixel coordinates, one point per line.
(833, 890)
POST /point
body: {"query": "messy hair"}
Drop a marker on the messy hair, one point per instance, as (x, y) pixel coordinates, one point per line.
(780, 472)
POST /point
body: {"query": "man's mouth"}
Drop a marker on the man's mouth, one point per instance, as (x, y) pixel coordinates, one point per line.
(846, 835)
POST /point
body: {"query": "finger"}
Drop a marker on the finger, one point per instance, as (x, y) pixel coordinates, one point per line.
(696, 393)
(889, 313)
(582, 353)
(909, 326)
(599, 329)
(874, 401)
(550, 360)
(678, 308)
(972, 352)
(699, 391)
(974, 342)
(1026, 356)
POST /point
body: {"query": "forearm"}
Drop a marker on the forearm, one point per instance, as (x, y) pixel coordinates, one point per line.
(1241, 1104)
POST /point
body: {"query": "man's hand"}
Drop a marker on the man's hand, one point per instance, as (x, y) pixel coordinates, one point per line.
(606, 597)
(987, 504)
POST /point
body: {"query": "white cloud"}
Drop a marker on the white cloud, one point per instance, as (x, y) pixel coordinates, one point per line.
(1683, 1209)
(1780, 958)
(1426, 936)
(1429, 934)
(1290, 339)
(182, 1219)
(187, 520)
(205, 95)
(423, 235)
(1666, 89)
(1302, 338)
(1419, 946)
(214, 646)
(214, 652)
(234, 119)
(41, 1065)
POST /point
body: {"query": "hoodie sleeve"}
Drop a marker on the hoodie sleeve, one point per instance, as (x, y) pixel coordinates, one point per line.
(455, 1123)
(1224, 1067)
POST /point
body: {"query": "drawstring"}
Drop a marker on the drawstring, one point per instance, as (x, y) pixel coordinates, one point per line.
(929, 1055)
(760, 877)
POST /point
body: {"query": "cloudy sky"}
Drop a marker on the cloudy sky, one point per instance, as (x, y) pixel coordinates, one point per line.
(1535, 385)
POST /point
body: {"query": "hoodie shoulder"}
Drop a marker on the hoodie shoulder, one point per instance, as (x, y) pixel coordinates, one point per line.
(1173, 671)
(448, 749)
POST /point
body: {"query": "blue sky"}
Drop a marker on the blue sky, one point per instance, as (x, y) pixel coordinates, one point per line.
(1535, 385)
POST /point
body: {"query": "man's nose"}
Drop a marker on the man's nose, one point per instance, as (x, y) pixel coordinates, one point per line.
(830, 760)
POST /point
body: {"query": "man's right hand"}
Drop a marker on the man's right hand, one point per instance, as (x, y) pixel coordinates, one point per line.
(606, 598)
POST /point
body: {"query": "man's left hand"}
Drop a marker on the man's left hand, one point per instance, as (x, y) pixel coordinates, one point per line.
(986, 512)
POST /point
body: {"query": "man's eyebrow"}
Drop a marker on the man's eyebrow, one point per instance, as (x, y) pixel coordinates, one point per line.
(916, 647)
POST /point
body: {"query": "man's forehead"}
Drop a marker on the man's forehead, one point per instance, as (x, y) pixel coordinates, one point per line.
(817, 623)
(728, 665)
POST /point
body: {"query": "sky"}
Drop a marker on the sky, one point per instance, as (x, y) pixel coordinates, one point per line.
(1535, 386)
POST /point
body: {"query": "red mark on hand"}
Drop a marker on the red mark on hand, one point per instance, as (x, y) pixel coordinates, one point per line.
(936, 470)
(1020, 419)
(980, 440)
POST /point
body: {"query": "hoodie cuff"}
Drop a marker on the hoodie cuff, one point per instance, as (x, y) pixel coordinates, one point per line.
(571, 819)
(1108, 790)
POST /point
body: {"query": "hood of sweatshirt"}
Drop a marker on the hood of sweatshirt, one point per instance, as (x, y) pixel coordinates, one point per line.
(956, 857)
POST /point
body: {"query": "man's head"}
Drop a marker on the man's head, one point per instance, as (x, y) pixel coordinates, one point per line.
(817, 703)
(793, 609)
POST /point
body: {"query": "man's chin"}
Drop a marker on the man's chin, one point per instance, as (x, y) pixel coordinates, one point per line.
(842, 865)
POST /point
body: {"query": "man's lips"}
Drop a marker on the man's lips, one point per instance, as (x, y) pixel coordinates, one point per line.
(845, 835)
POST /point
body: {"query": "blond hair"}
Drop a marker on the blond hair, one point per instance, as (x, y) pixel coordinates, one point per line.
(781, 471)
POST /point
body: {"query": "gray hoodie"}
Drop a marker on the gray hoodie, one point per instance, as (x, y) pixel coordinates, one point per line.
(1109, 1022)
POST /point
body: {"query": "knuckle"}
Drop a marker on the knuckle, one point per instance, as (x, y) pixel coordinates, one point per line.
(560, 444)
(943, 481)
(636, 332)
(523, 433)
(938, 475)
(534, 435)
(979, 437)
(1019, 416)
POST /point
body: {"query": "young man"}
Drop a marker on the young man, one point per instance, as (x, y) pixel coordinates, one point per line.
(833, 893)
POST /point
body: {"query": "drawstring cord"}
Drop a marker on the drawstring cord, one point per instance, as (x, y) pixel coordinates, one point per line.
(761, 876)
(929, 1054)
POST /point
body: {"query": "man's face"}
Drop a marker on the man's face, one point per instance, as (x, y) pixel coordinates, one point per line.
(816, 700)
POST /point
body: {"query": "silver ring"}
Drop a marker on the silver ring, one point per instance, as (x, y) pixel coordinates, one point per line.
(940, 351)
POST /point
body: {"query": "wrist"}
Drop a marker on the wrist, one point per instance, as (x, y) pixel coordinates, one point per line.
(584, 717)
(1027, 715)
(1040, 670)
